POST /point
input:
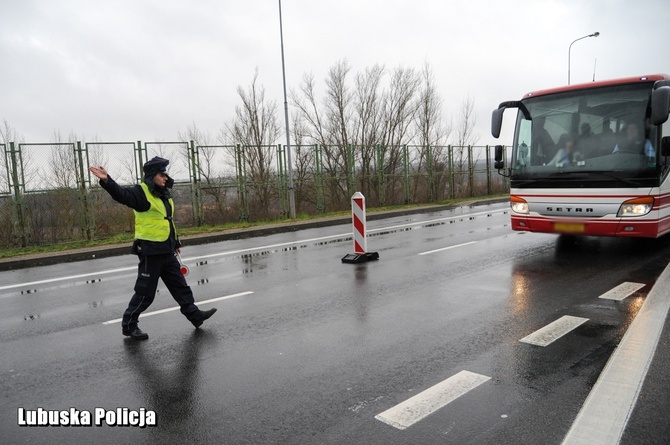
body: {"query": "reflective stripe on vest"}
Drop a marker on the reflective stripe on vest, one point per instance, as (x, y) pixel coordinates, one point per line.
(153, 225)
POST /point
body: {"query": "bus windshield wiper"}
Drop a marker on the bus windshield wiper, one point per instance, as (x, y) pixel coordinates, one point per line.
(610, 175)
(524, 181)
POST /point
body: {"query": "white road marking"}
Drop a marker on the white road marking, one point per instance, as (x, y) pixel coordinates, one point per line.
(448, 218)
(605, 413)
(622, 291)
(69, 277)
(250, 249)
(427, 402)
(447, 248)
(176, 308)
(554, 330)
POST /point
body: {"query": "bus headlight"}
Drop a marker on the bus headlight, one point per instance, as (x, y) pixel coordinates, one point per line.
(519, 205)
(636, 207)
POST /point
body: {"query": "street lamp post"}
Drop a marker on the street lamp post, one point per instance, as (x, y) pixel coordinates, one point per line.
(595, 34)
(291, 192)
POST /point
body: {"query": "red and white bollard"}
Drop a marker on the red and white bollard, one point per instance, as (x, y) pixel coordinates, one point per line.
(358, 220)
(361, 253)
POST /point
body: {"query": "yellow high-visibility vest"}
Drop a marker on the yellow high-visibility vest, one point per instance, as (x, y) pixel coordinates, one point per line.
(154, 224)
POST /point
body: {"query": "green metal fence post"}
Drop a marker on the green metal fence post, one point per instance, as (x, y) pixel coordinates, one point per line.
(8, 172)
(20, 229)
(241, 183)
(505, 185)
(429, 173)
(488, 172)
(452, 191)
(283, 189)
(196, 195)
(471, 173)
(318, 170)
(351, 173)
(84, 216)
(139, 162)
(406, 173)
(380, 176)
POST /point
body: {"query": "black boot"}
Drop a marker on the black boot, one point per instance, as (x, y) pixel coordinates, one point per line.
(204, 315)
(136, 334)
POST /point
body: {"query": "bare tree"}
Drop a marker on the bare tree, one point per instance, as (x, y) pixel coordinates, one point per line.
(466, 124)
(7, 134)
(431, 135)
(304, 170)
(338, 101)
(313, 126)
(332, 126)
(256, 127)
(430, 127)
(368, 104)
(360, 128)
(62, 161)
(399, 109)
(96, 153)
(24, 162)
(211, 173)
(465, 137)
(206, 153)
(177, 153)
(369, 121)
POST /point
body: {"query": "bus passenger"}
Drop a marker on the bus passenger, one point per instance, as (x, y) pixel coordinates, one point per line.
(607, 139)
(635, 142)
(567, 154)
(586, 142)
(542, 143)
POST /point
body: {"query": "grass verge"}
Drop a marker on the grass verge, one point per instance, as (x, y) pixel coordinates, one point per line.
(123, 238)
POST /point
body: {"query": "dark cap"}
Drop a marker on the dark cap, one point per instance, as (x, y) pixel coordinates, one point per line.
(155, 165)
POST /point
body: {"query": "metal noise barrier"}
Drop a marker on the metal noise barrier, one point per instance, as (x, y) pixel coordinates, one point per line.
(361, 253)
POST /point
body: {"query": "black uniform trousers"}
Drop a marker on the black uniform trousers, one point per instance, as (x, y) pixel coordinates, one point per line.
(151, 268)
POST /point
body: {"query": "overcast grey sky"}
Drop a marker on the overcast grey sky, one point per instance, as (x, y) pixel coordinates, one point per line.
(146, 69)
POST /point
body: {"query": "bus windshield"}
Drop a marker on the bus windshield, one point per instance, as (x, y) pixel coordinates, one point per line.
(598, 137)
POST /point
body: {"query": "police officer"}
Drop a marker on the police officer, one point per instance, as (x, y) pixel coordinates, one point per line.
(156, 243)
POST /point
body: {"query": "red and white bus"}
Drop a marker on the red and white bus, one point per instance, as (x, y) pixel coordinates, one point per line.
(591, 159)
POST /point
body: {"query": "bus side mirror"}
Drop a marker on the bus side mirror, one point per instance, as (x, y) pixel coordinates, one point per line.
(660, 105)
(496, 122)
(665, 146)
(497, 115)
(499, 161)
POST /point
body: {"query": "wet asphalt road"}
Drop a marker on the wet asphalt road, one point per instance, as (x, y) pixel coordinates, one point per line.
(313, 349)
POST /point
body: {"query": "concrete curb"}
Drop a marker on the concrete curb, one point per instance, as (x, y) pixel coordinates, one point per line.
(87, 253)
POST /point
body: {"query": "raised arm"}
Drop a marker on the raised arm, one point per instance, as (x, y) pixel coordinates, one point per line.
(132, 197)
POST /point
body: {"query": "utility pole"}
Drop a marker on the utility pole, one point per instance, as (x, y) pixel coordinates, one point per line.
(291, 191)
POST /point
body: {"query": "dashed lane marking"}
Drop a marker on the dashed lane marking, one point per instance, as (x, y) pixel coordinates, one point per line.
(553, 331)
(427, 402)
(447, 248)
(622, 291)
(170, 309)
(251, 249)
(68, 277)
(605, 413)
